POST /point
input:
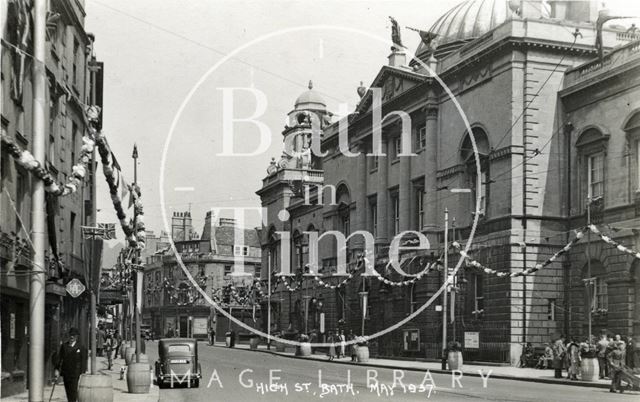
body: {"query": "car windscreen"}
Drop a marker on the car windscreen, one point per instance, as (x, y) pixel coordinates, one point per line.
(178, 349)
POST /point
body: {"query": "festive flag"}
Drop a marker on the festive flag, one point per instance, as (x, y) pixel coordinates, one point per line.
(109, 230)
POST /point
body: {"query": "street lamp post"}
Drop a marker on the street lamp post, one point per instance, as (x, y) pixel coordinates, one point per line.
(446, 285)
(37, 280)
(136, 259)
(589, 281)
(269, 300)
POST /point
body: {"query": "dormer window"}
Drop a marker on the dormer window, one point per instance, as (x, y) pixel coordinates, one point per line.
(240, 251)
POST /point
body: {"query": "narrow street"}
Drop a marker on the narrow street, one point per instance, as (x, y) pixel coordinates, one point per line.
(229, 364)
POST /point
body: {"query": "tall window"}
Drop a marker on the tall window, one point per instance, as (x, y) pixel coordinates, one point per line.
(397, 147)
(632, 129)
(375, 162)
(74, 141)
(595, 175)
(419, 202)
(395, 216)
(76, 58)
(373, 215)
(599, 300)
(478, 190)
(421, 137)
(345, 222)
(591, 148)
(72, 232)
(52, 150)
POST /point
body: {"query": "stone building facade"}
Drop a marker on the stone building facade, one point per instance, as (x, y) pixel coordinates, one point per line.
(602, 131)
(210, 259)
(504, 65)
(68, 89)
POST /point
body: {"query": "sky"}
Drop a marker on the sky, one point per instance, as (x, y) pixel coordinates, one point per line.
(156, 51)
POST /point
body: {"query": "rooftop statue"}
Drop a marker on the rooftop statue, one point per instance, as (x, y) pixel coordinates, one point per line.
(395, 35)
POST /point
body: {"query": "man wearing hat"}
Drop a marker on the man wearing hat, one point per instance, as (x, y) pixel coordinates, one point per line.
(616, 364)
(72, 361)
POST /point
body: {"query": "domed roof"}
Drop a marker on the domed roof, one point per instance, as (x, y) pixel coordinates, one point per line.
(469, 20)
(310, 100)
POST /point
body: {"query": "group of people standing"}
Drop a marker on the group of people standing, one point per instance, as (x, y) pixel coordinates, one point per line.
(613, 354)
(338, 344)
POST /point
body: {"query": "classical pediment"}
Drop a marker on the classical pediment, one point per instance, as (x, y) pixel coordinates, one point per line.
(393, 82)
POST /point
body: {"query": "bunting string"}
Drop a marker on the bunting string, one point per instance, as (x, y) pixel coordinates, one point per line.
(609, 240)
(27, 161)
(134, 230)
(501, 274)
(420, 275)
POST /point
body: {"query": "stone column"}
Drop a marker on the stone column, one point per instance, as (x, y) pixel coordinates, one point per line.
(404, 193)
(383, 194)
(361, 195)
(431, 216)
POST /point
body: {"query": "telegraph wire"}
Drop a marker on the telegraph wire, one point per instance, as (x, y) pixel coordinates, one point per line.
(205, 46)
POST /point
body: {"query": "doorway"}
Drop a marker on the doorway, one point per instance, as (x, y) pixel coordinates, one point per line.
(184, 326)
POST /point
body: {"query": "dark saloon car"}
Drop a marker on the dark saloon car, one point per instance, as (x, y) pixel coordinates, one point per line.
(178, 363)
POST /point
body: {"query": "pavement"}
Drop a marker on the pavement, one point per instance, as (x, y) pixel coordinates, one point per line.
(242, 375)
(475, 370)
(120, 392)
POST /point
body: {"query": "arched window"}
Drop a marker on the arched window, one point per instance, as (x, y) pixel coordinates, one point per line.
(344, 209)
(632, 128)
(273, 247)
(297, 250)
(592, 146)
(467, 155)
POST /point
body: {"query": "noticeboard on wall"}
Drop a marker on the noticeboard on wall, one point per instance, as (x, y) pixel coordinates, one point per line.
(200, 326)
(411, 340)
(472, 340)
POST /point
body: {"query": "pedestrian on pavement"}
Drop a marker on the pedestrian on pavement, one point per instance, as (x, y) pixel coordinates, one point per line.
(100, 337)
(212, 336)
(343, 344)
(332, 346)
(616, 364)
(631, 353)
(72, 362)
(618, 341)
(353, 347)
(559, 351)
(573, 359)
(117, 338)
(602, 346)
(109, 344)
(170, 332)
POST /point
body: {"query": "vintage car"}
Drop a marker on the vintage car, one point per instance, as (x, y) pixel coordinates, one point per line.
(178, 363)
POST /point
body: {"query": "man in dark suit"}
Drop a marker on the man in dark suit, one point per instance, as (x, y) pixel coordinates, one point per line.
(72, 361)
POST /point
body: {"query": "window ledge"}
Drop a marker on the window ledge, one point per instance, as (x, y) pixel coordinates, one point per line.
(373, 171)
(396, 160)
